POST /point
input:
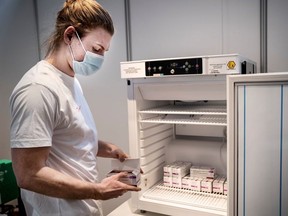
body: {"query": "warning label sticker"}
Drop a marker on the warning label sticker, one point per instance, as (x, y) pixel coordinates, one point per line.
(216, 67)
(231, 65)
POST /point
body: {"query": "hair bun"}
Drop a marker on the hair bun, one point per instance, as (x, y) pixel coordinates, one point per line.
(69, 2)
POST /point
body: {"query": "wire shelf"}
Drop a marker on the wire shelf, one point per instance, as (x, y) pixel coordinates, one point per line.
(187, 197)
(189, 108)
(187, 119)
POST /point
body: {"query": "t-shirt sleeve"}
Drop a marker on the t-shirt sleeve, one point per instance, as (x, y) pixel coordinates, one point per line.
(33, 110)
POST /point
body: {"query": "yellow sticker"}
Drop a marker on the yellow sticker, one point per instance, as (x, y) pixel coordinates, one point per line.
(231, 65)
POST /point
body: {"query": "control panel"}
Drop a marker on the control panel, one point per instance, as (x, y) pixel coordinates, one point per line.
(194, 65)
(174, 67)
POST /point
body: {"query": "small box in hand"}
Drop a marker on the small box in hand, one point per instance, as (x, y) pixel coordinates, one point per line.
(130, 166)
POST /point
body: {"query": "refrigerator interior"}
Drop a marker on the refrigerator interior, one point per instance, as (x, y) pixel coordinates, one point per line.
(179, 119)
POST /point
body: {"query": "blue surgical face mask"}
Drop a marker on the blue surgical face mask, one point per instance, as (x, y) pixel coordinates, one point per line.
(91, 63)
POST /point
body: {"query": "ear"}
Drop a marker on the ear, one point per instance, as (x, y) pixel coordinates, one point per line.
(68, 34)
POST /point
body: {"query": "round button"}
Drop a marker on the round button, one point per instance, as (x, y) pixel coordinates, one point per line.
(172, 71)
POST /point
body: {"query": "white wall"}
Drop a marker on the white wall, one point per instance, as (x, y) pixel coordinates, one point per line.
(175, 28)
(18, 52)
(277, 36)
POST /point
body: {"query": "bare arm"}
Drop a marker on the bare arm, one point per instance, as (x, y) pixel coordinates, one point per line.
(109, 150)
(32, 174)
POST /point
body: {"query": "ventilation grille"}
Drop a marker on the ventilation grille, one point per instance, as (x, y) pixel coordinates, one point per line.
(187, 197)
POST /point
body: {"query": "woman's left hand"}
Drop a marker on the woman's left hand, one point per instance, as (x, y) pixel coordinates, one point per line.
(110, 150)
(117, 153)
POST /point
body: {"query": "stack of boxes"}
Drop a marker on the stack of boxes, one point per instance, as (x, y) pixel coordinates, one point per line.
(204, 175)
(173, 173)
(181, 174)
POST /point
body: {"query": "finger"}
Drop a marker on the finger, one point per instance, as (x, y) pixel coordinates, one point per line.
(117, 176)
(121, 175)
(122, 157)
(133, 188)
(125, 186)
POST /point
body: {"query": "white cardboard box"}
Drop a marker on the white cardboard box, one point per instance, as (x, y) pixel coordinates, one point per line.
(218, 185)
(131, 166)
(195, 184)
(202, 172)
(206, 185)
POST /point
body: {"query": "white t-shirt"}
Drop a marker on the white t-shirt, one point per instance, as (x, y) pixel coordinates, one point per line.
(48, 109)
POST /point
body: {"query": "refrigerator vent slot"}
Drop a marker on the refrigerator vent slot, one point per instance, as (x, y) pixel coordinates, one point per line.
(187, 197)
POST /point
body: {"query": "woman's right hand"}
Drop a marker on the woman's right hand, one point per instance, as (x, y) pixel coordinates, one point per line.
(111, 187)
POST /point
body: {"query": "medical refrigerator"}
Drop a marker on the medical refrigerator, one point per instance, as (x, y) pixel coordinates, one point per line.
(179, 115)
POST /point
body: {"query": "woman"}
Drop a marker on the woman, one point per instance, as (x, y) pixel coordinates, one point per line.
(54, 140)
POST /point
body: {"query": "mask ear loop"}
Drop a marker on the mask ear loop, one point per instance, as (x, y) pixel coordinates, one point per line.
(71, 52)
(70, 49)
(80, 41)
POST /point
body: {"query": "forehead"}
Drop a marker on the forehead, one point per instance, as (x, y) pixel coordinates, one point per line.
(98, 36)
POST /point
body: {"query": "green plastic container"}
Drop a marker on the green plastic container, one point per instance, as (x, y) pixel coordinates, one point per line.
(8, 187)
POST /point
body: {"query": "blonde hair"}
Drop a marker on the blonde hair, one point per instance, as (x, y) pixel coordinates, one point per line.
(83, 15)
